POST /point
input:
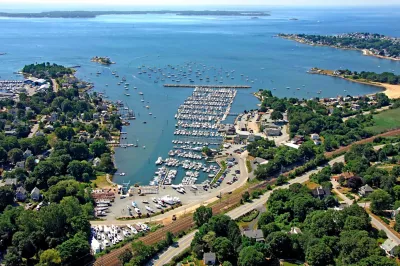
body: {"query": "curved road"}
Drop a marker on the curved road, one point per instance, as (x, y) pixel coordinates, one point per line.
(184, 242)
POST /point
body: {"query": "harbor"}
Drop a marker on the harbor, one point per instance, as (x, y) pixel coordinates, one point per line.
(198, 119)
(207, 86)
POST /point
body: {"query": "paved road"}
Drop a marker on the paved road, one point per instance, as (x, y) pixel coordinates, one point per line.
(243, 209)
(240, 158)
(368, 112)
(234, 214)
(35, 128)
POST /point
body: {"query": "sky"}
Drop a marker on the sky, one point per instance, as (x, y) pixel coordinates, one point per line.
(115, 3)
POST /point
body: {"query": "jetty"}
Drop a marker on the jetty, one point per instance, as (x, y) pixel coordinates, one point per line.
(207, 86)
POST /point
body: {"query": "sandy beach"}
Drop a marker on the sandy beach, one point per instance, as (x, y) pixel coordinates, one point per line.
(369, 53)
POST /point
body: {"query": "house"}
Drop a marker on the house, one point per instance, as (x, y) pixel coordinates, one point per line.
(314, 136)
(365, 190)
(20, 164)
(228, 129)
(7, 127)
(27, 153)
(49, 127)
(258, 235)
(295, 231)
(53, 117)
(320, 192)
(10, 133)
(96, 162)
(242, 126)
(20, 194)
(273, 131)
(10, 181)
(388, 246)
(259, 161)
(292, 145)
(298, 139)
(209, 258)
(395, 212)
(96, 116)
(35, 194)
(345, 176)
(355, 107)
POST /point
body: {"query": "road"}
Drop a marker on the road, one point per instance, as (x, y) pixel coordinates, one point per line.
(243, 209)
(35, 128)
(368, 112)
(234, 214)
(55, 85)
(187, 208)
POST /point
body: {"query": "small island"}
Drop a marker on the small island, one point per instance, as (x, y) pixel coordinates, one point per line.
(370, 44)
(389, 82)
(104, 60)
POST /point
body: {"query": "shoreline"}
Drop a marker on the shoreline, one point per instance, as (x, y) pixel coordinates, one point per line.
(363, 51)
(390, 90)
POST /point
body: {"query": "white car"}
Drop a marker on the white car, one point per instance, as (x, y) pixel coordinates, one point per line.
(134, 230)
(106, 243)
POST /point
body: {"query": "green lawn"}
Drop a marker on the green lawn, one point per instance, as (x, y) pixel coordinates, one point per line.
(385, 121)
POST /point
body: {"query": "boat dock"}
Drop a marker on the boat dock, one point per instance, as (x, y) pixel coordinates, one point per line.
(207, 86)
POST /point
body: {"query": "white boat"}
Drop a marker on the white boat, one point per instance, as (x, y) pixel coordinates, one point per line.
(159, 161)
(140, 93)
(158, 206)
(134, 204)
(194, 187)
(137, 210)
(149, 209)
(122, 174)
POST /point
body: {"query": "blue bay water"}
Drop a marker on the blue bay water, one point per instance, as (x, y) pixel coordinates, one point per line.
(232, 43)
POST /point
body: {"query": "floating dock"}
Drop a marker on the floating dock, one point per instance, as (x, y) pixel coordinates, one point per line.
(207, 86)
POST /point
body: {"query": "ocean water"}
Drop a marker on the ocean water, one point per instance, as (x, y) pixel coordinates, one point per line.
(231, 43)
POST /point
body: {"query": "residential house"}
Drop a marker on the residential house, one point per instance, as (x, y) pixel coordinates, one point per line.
(27, 153)
(10, 181)
(96, 162)
(273, 131)
(7, 127)
(320, 192)
(355, 107)
(295, 231)
(10, 133)
(298, 139)
(20, 194)
(242, 126)
(20, 164)
(365, 190)
(258, 235)
(314, 136)
(259, 161)
(388, 246)
(209, 258)
(96, 116)
(35, 194)
(53, 117)
(393, 213)
(345, 176)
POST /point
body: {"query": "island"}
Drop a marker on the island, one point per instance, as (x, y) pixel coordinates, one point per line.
(370, 44)
(93, 14)
(389, 82)
(104, 60)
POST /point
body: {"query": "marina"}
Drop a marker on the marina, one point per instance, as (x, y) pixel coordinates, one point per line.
(205, 104)
(206, 86)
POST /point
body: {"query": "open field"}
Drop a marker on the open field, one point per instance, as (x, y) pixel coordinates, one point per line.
(386, 120)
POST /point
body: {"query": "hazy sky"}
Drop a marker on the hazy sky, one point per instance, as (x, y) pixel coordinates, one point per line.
(204, 2)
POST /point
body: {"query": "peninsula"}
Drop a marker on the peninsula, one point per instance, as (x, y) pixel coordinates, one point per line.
(104, 60)
(93, 14)
(370, 44)
(386, 80)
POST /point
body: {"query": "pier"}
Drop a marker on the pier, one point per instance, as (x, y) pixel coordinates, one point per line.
(207, 86)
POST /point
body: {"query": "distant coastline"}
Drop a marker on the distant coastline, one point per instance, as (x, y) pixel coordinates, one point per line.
(93, 14)
(391, 90)
(304, 40)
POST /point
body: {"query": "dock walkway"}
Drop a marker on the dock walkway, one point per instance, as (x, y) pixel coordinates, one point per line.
(207, 86)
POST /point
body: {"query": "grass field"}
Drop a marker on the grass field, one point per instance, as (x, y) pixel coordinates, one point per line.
(385, 121)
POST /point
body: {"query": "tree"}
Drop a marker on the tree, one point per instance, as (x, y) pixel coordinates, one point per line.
(223, 248)
(265, 218)
(3, 155)
(207, 151)
(15, 155)
(337, 168)
(246, 196)
(276, 115)
(30, 163)
(79, 151)
(250, 256)
(319, 254)
(202, 215)
(125, 256)
(269, 228)
(169, 238)
(6, 197)
(375, 260)
(98, 147)
(73, 249)
(50, 257)
(380, 200)
(397, 224)
(279, 244)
